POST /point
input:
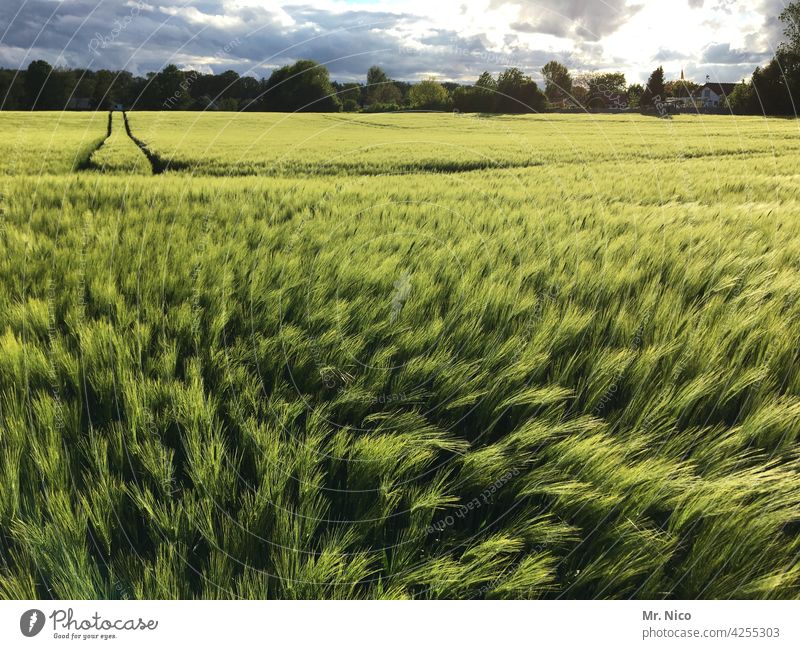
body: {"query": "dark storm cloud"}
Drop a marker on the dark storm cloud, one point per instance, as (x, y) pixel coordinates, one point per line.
(142, 37)
(586, 19)
(104, 34)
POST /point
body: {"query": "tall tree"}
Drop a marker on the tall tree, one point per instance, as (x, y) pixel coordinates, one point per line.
(380, 89)
(376, 76)
(428, 94)
(654, 90)
(486, 93)
(518, 93)
(635, 92)
(36, 78)
(775, 92)
(558, 81)
(742, 100)
(790, 17)
(304, 86)
(606, 90)
(103, 96)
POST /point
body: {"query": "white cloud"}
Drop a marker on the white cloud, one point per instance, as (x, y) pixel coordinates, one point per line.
(456, 39)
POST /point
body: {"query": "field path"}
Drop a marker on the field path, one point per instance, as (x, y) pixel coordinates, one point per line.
(83, 160)
(158, 164)
(118, 153)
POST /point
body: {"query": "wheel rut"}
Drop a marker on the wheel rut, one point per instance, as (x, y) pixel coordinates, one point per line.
(83, 160)
(157, 163)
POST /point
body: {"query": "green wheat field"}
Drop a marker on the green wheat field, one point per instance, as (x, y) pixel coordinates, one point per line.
(399, 356)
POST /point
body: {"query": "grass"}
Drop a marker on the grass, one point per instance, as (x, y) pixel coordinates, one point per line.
(225, 144)
(119, 154)
(53, 144)
(262, 374)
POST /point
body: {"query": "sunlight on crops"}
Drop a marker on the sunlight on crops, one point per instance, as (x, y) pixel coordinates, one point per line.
(286, 144)
(34, 144)
(399, 356)
(119, 154)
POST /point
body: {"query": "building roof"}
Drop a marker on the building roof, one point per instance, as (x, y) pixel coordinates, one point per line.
(722, 89)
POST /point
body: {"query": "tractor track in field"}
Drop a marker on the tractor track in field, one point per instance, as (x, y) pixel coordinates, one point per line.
(83, 161)
(158, 164)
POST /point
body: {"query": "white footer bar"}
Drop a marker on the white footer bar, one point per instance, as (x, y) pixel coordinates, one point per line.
(351, 625)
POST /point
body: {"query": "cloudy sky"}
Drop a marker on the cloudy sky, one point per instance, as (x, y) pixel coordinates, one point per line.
(451, 39)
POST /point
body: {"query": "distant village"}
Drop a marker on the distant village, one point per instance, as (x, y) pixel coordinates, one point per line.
(601, 92)
(708, 97)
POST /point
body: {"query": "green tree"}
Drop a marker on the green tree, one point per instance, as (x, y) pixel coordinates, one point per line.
(304, 86)
(248, 90)
(376, 76)
(775, 88)
(608, 83)
(464, 99)
(61, 86)
(486, 82)
(742, 100)
(223, 85)
(168, 89)
(485, 93)
(350, 105)
(680, 88)
(605, 90)
(558, 81)
(348, 91)
(37, 77)
(580, 94)
(428, 94)
(12, 91)
(103, 96)
(635, 92)
(790, 17)
(654, 90)
(380, 89)
(518, 93)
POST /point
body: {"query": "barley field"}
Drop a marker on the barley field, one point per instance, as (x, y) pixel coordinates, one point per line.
(399, 356)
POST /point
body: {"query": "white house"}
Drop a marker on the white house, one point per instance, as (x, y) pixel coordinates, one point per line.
(712, 95)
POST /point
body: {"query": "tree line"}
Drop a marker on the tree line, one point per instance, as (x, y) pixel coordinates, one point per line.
(306, 86)
(301, 86)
